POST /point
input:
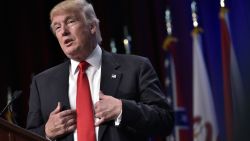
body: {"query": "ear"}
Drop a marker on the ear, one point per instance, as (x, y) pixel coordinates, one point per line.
(93, 28)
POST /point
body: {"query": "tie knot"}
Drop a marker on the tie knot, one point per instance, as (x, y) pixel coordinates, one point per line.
(83, 66)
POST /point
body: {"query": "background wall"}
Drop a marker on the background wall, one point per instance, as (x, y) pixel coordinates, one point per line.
(28, 46)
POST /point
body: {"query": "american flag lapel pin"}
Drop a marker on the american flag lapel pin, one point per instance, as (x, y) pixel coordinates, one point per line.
(113, 76)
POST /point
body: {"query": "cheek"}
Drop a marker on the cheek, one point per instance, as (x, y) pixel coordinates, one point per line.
(59, 40)
(79, 39)
(84, 36)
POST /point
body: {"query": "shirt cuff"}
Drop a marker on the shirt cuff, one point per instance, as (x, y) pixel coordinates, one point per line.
(118, 119)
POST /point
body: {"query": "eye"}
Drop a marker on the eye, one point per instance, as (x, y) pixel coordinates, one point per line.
(56, 27)
(70, 21)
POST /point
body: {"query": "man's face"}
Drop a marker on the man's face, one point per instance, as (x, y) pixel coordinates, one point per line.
(73, 34)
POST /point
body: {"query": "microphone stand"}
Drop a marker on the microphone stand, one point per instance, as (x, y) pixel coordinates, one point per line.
(15, 96)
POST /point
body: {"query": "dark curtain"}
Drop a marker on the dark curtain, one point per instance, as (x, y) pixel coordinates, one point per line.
(30, 47)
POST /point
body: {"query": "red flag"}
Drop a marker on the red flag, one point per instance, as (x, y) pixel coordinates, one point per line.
(233, 87)
(225, 46)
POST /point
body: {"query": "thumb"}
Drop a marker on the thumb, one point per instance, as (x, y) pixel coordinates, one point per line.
(58, 108)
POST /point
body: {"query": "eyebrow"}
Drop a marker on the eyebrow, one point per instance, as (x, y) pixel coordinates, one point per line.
(64, 20)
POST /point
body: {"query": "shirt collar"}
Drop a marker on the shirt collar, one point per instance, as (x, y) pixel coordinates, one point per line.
(94, 59)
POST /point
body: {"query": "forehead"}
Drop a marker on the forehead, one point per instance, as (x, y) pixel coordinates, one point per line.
(64, 14)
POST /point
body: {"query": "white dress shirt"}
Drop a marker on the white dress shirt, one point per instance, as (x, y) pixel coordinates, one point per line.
(94, 76)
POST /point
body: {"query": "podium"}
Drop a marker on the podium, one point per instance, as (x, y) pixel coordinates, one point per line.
(11, 132)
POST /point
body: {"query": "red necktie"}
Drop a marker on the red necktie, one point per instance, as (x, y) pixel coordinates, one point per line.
(84, 106)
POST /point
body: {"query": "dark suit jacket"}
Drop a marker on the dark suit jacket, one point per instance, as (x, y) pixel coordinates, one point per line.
(145, 111)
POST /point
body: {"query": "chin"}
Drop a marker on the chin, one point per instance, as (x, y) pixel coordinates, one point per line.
(74, 57)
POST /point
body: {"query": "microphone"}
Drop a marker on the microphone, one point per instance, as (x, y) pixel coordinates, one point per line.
(14, 97)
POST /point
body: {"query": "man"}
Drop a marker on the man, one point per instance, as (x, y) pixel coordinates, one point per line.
(128, 104)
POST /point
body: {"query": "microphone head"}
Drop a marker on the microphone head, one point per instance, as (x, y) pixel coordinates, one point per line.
(16, 95)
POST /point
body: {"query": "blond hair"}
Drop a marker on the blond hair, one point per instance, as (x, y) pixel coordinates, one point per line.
(82, 6)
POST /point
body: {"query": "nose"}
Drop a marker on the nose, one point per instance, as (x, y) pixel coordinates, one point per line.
(65, 30)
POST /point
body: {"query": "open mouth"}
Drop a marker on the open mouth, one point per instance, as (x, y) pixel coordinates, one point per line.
(68, 42)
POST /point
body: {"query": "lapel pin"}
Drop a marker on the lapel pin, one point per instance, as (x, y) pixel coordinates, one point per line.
(113, 76)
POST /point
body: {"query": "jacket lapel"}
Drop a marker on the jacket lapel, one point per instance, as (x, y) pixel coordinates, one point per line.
(62, 89)
(62, 85)
(110, 78)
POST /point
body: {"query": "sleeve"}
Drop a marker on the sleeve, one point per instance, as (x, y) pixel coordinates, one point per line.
(35, 122)
(151, 115)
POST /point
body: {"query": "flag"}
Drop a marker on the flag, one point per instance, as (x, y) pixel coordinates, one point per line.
(205, 126)
(234, 102)
(172, 85)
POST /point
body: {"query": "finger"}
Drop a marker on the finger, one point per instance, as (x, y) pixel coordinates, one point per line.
(69, 125)
(71, 128)
(101, 95)
(97, 106)
(99, 122)
(66, 127)
(99, 115)
(67, 119)
(58, 108)
(67, 113)
(71, 122)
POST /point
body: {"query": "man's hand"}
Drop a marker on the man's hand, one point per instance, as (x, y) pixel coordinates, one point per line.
(107, 108)
(60, 122)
